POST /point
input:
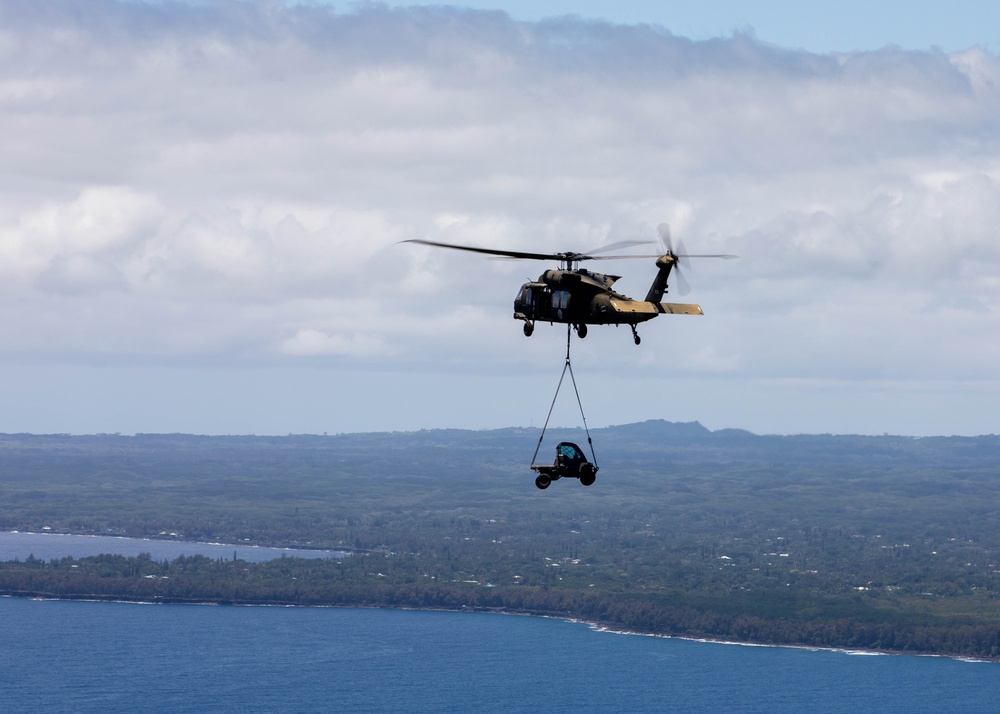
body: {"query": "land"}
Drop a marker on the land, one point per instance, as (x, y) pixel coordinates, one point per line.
(887, 543)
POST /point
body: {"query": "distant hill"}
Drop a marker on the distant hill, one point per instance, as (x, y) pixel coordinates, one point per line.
(109, 477)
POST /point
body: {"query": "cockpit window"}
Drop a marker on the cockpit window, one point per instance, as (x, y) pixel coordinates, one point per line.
(569, 451)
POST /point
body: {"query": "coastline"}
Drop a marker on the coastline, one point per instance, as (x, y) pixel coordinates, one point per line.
(565, 617)
(448, 600)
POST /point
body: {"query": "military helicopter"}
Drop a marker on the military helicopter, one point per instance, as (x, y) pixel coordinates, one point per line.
(579, 297)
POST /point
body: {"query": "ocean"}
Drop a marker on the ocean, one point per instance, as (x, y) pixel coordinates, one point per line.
(62, 656)
(58, 656)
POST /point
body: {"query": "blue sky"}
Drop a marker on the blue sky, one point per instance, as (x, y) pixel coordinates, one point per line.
(204, 203)
(846, 26)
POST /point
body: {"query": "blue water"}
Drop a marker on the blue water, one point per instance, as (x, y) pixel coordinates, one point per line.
(49, 546)
(113, 657)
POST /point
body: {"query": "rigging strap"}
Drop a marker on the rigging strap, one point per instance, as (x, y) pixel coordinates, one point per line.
(567, 366)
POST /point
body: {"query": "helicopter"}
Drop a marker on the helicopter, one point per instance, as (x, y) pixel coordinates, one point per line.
(579, 297)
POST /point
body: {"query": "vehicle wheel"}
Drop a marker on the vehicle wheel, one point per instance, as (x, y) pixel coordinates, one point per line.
(581, 330)
(528, 329)
(587, 475)
(542, 481)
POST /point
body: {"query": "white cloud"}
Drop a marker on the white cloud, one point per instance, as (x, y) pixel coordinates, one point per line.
(313, 343)
(77, 244)
(236, 178)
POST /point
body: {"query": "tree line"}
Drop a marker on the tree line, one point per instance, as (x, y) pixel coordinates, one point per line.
(359, 581)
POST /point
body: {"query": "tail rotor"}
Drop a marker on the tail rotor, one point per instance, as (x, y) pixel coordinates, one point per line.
(666, 243)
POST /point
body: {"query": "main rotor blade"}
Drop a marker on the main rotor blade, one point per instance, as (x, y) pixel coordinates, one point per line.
(575, 257)
(567, 256)
(617, 246)
(618, 257)
(665, 240)
(488, 251)
(676, 255)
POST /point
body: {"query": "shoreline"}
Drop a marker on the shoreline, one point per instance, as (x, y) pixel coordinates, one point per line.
(565, 617)
(852, 651)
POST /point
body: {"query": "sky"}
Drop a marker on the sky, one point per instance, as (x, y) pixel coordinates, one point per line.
(204, 203)
(823, 26)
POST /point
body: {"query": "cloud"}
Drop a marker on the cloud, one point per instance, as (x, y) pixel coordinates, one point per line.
(313, 343)
(79, 274)
(81, 243)
(237, 177)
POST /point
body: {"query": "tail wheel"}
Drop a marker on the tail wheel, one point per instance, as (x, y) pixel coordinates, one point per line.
(542, 481)
(581, 330)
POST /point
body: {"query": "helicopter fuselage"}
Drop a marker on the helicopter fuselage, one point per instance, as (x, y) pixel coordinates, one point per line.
(582, 297)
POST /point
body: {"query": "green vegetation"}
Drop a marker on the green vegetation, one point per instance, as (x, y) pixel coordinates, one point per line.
(843, 541)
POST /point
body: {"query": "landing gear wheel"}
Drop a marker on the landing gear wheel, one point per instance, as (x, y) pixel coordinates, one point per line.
(581, 330)
(528, 329)
(542, 481)
(635, 335)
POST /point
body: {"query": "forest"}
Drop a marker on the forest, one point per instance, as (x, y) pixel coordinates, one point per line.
(880, 542)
